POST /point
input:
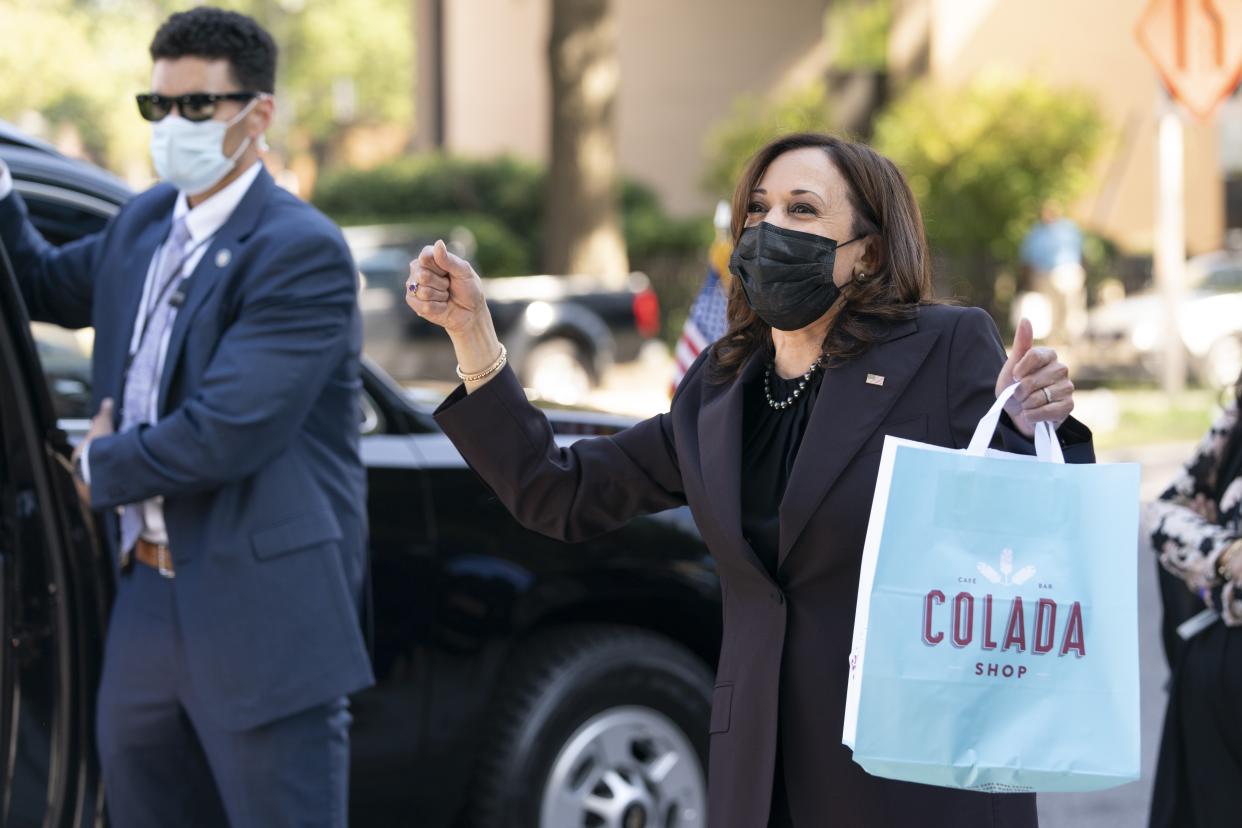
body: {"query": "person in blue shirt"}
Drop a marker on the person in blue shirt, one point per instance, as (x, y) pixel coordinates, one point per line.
(1051, 256)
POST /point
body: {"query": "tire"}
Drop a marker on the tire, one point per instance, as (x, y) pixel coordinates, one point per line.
(558, 370)
(598, 726)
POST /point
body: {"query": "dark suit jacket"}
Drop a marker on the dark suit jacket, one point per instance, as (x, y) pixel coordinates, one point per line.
(256, 449)
(784, 657)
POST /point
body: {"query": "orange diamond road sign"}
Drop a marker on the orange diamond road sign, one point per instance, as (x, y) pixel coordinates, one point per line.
(1197, 47)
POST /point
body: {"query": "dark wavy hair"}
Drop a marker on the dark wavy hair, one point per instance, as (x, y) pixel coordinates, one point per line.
(216, 34)
(883, 206)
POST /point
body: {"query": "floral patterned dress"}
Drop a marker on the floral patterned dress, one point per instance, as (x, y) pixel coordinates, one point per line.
(1192, 525)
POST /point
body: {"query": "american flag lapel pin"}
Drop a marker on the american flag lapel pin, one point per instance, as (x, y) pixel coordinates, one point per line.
(875, 379)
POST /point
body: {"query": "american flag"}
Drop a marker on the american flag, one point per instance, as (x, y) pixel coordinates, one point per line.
(706, 323)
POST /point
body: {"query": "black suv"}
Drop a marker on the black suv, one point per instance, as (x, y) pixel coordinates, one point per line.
(521, 681)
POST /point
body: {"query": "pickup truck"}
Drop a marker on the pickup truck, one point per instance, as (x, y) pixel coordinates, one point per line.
(562, 332)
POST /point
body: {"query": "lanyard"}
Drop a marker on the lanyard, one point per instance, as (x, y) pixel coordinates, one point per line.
(176, 299)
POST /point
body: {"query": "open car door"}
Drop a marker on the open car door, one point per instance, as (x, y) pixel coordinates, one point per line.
(55, 590)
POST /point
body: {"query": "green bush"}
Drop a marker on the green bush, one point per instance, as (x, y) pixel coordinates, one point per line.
(505, 188)
(983, 158)
(650, 232)
(858, 33)
(500, 200)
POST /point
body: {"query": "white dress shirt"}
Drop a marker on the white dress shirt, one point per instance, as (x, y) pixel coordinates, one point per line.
(202, 222)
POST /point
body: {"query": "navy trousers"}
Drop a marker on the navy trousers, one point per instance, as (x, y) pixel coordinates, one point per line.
(165, 763)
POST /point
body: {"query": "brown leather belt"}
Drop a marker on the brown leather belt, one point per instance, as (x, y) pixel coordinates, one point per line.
(155, 555)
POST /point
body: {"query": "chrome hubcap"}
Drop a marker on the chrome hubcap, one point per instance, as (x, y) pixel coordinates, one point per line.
(627, 767)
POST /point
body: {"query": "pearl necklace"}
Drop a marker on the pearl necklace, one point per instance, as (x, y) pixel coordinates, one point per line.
(781, 405)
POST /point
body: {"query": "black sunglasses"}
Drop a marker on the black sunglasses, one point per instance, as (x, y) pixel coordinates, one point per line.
(194, 106)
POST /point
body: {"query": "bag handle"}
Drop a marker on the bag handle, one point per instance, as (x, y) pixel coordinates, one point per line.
(1047, 447)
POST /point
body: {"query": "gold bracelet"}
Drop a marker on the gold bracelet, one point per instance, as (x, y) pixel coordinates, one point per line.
(489, 370)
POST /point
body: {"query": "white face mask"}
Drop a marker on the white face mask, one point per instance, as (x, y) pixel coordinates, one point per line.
(190, 154)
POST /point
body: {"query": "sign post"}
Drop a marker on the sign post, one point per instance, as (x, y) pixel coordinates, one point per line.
(1170, 252)
(1196, 46)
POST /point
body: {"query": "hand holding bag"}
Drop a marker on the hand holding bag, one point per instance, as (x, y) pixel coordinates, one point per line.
(996, 635)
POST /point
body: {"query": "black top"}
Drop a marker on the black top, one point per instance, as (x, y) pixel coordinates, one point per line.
(770, 441)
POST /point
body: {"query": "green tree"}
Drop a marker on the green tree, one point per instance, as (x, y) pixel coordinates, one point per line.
(753, 122)
(857, 33)
(982, 159)
(76, 65)
(343, 63)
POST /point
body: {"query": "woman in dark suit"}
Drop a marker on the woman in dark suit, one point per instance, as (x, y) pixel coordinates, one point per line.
(773, 439)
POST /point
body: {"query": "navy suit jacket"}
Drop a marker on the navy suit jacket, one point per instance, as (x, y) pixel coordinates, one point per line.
(256, 448)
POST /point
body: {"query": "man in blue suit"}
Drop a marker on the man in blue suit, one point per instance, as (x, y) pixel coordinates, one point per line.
(227, 331)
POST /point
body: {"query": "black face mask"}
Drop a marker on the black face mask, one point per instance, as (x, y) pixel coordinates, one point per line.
(786, 274)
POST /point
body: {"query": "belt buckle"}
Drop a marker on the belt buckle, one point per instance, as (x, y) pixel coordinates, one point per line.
(164, 558)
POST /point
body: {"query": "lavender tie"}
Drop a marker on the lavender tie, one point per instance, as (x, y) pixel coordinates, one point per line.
(143, 379)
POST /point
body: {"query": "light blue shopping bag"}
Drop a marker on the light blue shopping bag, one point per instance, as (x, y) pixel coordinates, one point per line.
(996, 636)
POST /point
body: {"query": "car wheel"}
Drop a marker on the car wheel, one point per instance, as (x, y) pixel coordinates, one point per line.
(1223, 363)
(599, 726)
(558, 370)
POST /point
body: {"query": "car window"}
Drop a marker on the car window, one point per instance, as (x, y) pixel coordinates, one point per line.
(62, 214)
(66, 359)
(386, 267)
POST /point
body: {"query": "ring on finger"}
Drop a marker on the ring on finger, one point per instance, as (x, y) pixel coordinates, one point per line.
(1047, 395)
